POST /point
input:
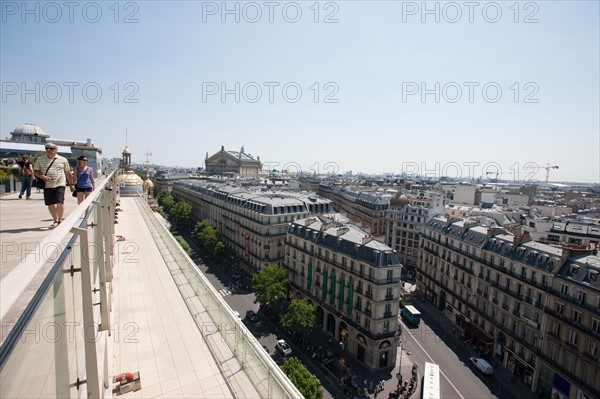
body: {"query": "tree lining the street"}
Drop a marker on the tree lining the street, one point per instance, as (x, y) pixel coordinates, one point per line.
(270, 284)
(182, 213)
(166, 201)
(308, 384)
(202, 233)
(300, 316)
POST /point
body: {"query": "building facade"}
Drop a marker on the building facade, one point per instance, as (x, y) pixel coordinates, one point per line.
(583, 234)
(406, 216)
(253, 223)
(366, 208)
(517, 302)
(30, 139)
(232, 163)
(569, 365)
(352, 281)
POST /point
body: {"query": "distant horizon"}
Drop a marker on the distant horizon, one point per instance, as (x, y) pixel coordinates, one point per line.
(448, 88)
(462, 179)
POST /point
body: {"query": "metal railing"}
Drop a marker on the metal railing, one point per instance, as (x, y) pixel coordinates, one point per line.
(60, 344)
(262, 371)
(58, 341)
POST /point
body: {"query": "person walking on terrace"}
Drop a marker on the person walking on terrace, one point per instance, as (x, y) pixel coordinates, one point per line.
(55, 171)
(26, 176)
(84, 179)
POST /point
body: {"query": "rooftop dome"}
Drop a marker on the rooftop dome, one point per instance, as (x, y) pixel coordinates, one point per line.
(29, 129)
(126, 150)
(399, 201)
(148, 184)
(129, 178)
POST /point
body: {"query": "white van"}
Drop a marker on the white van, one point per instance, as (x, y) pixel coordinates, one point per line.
(482, 365)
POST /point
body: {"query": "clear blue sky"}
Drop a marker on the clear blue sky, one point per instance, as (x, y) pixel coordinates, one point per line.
(375, 61)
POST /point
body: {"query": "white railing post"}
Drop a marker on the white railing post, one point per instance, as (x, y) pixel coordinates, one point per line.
(91, 357)
(103, 223)
(100, 266)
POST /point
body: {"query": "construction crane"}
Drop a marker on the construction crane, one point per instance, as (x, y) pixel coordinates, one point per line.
(548, 167)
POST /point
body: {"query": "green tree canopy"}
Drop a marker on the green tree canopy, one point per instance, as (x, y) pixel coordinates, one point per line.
(183, 244)
(165, 199)
(220, 251)
(182, 213)
(270, 284)
(205, 234)
(300, 316)
(198, 228)
(308, 385)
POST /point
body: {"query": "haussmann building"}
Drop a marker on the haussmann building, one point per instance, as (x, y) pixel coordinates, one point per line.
(352, 280)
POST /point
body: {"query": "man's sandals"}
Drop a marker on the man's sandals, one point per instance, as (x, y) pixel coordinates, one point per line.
(55, 224)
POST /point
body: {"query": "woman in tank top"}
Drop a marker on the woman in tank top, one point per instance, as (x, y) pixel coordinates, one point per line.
(84, 180)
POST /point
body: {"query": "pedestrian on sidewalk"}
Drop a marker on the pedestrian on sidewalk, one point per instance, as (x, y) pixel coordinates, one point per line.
(26, 176)
(84, 182)
(55, 171)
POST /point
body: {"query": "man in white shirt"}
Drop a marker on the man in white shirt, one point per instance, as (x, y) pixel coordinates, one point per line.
(55, 171)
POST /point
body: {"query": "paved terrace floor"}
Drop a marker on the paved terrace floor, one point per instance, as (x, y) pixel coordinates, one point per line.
(157, 334)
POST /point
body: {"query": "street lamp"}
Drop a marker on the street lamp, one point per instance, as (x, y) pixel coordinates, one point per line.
(399, 375)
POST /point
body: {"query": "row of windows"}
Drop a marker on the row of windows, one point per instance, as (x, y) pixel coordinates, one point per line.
(360, 271)
(569, 360)
(342, 260)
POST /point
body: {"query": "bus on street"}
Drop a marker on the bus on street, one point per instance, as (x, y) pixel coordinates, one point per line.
(431, 381)
(411, 315)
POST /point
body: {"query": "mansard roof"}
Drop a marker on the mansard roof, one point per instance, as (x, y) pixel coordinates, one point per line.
(233, 157)
(348, 240)
(583, 269)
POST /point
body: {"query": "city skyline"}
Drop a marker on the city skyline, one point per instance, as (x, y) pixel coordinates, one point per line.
(452, 89)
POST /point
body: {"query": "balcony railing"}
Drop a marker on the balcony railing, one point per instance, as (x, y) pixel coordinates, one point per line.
(353, 271)
(85, 266)
(570, 374)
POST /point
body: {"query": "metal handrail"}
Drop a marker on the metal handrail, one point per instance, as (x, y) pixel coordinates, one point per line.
(15, 282)
(74, 228)
(275, 371)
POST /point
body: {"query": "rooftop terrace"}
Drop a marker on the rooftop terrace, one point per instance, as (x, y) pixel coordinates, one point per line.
(80, 306)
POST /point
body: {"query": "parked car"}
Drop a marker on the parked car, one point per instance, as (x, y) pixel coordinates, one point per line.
(266, 349)
(283, 347)
(482, 365)
(252, 316)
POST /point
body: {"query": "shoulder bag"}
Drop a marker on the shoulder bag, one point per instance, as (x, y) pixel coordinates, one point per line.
(39, 183)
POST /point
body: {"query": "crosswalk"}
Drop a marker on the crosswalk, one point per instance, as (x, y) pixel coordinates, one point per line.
(225, 291)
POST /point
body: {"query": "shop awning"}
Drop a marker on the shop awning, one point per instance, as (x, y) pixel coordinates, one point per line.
(480, 335)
